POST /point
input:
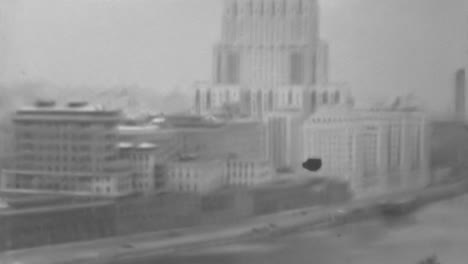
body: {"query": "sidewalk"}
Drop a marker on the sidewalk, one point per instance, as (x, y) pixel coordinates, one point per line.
(157, 243)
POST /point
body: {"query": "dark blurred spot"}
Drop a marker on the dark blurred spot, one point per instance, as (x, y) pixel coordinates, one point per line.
(312, 164)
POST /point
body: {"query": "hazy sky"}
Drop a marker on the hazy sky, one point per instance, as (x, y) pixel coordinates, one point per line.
(380, 47)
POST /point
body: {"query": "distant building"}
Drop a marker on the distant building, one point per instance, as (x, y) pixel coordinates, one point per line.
(193, 175)
(327, 95)
(243, 138)
(67, 149)
(166, 139)
(207, 99)
(197, 135)
(143, 159)
(373, 150)
(284, 139)
(304, 99)
(263, 54)
(248, 173)
(460, 95)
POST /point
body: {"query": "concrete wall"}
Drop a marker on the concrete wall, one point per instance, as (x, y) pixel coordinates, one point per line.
(40, 227)
(131, 215)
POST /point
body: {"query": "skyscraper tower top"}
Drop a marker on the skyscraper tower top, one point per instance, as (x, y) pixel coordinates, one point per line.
(269, 56)
(270, 22)
(268, 44)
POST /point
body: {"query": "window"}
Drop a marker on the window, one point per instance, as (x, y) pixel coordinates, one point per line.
(325, 98)
(313, 99)
(208, 99)
(296, 75)
(337, 97)
(232, 73)
(270, 100)
(234, 9)
(300, 8)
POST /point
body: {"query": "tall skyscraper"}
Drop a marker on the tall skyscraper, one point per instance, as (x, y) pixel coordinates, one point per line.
(269, 52)
(460, 95)
(267, 44)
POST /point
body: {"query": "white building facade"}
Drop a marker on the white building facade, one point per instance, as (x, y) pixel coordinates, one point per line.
(284, 139)
(375, 151)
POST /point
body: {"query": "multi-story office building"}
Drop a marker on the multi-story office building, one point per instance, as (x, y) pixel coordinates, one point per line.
(166, 140)
(269, 57)
(67, 149)
(143, 159)
(284, 139)
(329, 136)
(373, 150)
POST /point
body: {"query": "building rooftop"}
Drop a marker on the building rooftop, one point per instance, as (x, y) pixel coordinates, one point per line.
(125, 145)
(191, 158)
(137, 129)
(187, 121)
(146, 145)
(48, 106)
(142, 146)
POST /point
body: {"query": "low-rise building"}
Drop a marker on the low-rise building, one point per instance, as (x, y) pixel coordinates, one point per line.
(195, 175)
(143, 161)
(374, 150)
(249, 173)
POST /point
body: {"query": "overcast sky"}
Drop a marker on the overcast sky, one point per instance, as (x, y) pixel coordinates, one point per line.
(380, 47)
